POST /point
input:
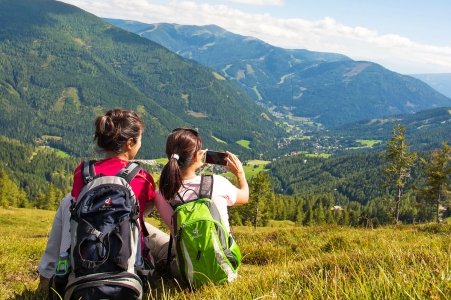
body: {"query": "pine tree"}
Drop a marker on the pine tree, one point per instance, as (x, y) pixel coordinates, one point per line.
(437, 172)
(260, 197)
(299, 216)
(235, 219)
(318, 214)
(22, 201)
(308, 220)
(400, 163)
(50, 198)
(329, 217)
(58, 196)
(10, 194)
(344, 218)
(39, 200)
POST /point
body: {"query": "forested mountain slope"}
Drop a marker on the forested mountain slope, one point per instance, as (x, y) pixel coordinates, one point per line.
(354, 177)
(328, 88)
(61, 66)
(425, 130)
(33, 168)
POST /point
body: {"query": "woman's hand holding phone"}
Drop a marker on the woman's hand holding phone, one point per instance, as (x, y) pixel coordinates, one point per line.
(234, 166)
(226, 159)
(217, 158)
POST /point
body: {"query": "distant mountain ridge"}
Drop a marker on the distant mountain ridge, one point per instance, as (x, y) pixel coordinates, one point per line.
(330, 88)
(440, 81)
(194, 40)
(61, 66)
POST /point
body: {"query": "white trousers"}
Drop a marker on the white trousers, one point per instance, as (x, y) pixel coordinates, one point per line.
(59, 238)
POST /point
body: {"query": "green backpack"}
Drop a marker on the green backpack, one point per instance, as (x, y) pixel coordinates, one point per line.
(205, 251)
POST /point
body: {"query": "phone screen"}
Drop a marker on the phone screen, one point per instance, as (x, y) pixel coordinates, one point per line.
(217, 158)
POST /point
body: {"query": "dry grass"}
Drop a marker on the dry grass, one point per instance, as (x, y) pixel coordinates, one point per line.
(405, 262)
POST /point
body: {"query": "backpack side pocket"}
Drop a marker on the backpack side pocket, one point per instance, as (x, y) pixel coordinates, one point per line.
(233, 253)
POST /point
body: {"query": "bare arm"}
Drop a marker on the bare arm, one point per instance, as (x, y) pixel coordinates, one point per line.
(236, 168)
(148, 208)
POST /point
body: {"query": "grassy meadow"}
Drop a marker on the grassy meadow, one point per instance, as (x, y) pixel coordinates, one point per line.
(369, 143)
(251, 169)
(331, 262)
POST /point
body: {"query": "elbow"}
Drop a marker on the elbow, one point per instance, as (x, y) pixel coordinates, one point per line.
(148, 208)
(242, 201)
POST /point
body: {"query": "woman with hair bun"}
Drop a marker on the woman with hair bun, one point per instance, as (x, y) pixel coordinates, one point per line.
(118, 135)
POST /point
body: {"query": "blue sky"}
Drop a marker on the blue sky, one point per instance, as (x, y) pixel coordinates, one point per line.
(408, 37)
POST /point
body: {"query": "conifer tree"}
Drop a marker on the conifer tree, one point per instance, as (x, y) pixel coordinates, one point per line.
(10, 194)
(329, 216)
(58, 197)
(437, 172)
(260, 198)
(400, 163)
(235, 219)
(318, 213)
(308, 220)
(22, 201)
(39, 200)
(50, 198)
(344, 218)
(299, 216)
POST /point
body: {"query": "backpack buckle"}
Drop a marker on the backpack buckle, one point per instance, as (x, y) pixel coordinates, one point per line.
(125, 173)
(88, 264)
(97, 233)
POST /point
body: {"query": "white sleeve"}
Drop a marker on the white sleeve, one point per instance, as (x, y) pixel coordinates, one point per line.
(59, 238)
(225, 189)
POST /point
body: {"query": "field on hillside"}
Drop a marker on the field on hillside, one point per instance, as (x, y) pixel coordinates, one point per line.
(404, 262)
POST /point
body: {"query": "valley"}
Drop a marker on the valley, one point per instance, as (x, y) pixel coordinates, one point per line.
(300, 116)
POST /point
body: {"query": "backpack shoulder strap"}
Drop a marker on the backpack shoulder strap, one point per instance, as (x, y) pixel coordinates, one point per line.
(206, 186)
(88, 172)
(129, 172)
(205, 191)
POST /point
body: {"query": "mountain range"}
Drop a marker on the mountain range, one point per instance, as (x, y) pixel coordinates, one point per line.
(327, 88)
(61, 66)
(439, 81)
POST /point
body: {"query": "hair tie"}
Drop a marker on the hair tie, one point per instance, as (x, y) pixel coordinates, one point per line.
(176, 156)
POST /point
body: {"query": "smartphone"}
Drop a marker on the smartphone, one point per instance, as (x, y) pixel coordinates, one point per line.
(217, 158)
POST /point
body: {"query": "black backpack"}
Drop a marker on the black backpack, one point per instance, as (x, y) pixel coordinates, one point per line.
(106, 257)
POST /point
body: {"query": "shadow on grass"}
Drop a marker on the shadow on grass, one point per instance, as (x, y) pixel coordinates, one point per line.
(164, 287)
(31, 295)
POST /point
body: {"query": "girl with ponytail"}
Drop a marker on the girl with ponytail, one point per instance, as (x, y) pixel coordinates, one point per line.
(178, 177)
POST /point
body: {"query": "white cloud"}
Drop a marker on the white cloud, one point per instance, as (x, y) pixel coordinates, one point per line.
(260, 2)
(326, 35)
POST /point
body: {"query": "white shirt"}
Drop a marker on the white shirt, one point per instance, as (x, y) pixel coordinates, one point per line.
(224, 194)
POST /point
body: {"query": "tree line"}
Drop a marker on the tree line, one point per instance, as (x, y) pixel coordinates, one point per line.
(391, 187)
(354, 190)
